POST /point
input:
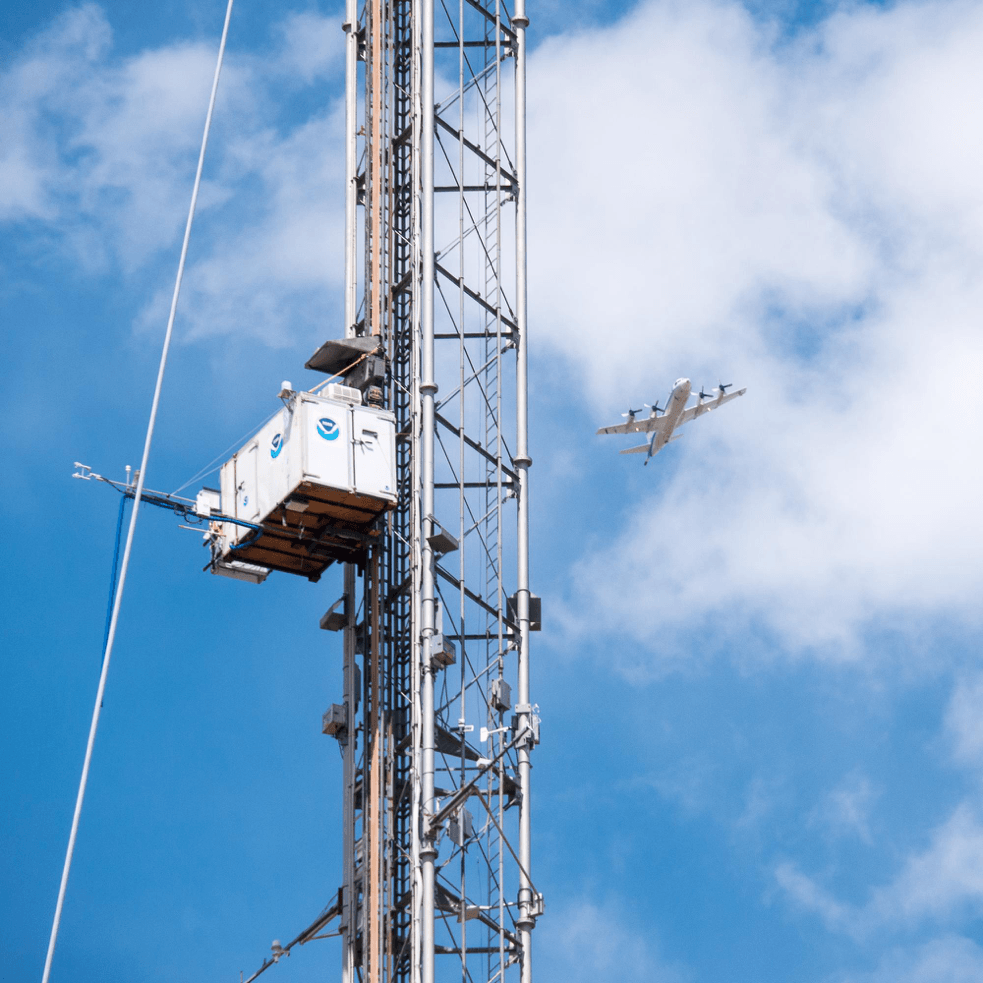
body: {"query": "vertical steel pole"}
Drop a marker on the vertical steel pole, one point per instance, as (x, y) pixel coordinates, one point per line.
(526, 919)
(420, 649)
(428, 390)
(372, 832)
(349, 907)
(348, 899)
(376, 167)
(349, 913)
(351, 162)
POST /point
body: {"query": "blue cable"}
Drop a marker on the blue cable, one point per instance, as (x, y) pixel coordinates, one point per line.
(115, 577)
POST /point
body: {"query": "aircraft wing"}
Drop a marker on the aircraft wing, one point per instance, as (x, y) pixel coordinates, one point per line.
(645, 425)
(711, 404)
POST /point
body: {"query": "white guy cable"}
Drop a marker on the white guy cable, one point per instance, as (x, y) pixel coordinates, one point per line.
(136, 509)
(210, 467)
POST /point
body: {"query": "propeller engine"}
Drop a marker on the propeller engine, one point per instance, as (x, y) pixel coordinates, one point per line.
(631, 413)
(721, 390)
(655, 408)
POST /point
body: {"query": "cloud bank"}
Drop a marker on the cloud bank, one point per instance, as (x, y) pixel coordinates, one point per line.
(99, 154)
(802, 216)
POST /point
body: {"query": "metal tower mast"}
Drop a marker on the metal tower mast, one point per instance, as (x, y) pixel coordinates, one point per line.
(439, 721)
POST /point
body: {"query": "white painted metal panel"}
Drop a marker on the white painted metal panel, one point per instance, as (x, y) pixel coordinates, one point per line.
(327, 435)
(227, 484)
(207, 501)
(247, 496)
(275, 461)
(374, 445)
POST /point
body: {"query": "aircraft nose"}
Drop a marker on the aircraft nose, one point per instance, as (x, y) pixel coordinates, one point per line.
(682, 382)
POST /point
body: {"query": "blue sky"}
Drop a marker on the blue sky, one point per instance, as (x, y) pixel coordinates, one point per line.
(759, 671)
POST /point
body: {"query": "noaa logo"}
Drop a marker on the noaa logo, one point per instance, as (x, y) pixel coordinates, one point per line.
(327, 428)
(276, 445)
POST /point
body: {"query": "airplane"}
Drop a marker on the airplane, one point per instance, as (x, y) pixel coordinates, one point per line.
(662, 423)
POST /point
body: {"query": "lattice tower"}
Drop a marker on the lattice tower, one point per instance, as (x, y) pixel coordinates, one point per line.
(437, 823)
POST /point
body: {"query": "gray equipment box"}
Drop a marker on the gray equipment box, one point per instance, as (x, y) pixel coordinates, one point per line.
(443, 652)
(500, 697)
(460, 828)
(334, 720)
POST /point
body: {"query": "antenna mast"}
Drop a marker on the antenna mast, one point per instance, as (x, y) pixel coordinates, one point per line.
(438, 720)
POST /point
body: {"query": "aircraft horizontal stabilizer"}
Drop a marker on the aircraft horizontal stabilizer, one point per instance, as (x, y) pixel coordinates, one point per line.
(636, 450)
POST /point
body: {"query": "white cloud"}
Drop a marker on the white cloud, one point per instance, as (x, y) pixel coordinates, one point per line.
(845, 810)
(586, 941)
(808, 894)
(312, 45)
(688, 781)
(894, 88)
(942, 883)
(664, 167)
(945, 878)
(108, 142)
(965, 723)
(99, 155)
(269, 280)
(57, 61)
(781, 213)
(948, 959)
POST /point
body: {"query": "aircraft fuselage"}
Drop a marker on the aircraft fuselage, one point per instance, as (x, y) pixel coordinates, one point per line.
(674, 410)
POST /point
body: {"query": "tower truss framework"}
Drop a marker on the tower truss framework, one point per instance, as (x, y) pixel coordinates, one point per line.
(440, 725)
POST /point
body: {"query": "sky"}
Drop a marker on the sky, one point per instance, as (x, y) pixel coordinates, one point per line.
(759, 671)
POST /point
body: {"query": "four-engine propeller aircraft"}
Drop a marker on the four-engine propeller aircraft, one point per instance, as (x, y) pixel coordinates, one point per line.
(661, 423)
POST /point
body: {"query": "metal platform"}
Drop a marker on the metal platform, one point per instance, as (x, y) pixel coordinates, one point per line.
(314, 528)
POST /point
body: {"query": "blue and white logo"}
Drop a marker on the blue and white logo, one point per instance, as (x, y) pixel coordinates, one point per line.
(276, 445)
(327, 428)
